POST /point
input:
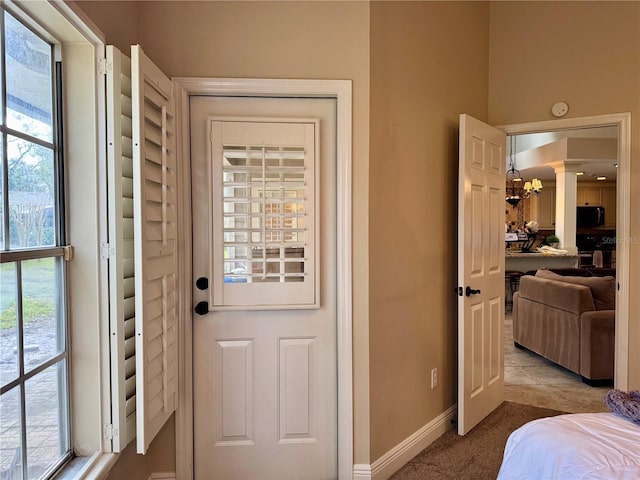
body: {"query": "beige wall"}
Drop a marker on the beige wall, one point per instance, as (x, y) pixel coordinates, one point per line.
(588, 55)
(161, 457)
(429, 63)
(118, 20)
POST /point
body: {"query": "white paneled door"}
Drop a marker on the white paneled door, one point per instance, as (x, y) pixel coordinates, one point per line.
(264, 265)
(481, 204)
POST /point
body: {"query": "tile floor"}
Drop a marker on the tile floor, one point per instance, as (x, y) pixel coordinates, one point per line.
(533, 380)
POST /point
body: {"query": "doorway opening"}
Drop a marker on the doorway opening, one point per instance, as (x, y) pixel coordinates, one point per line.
(600, 146)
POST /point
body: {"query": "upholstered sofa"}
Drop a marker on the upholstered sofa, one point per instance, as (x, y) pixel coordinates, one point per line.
(569, 320)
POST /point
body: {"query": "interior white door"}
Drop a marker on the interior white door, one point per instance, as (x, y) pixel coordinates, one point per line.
(481, 193)
(265, 378)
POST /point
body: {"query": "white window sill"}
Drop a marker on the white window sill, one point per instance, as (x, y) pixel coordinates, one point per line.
(95, 467)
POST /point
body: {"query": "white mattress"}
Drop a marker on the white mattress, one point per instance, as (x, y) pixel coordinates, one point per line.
(575, 446)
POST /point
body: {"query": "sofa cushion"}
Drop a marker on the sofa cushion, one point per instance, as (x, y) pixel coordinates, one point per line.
(603, 289)
(574, 272)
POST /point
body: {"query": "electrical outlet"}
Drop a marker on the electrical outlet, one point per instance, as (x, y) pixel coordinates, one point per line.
(434, 377)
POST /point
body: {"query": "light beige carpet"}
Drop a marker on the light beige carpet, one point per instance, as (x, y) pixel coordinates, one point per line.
(477, 455)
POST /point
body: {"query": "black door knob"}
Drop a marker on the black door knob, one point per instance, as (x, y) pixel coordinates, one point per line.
(470, 291)
(202, 308)
(202, 283)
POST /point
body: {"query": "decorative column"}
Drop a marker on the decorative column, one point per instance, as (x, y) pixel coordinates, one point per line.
(566, 201)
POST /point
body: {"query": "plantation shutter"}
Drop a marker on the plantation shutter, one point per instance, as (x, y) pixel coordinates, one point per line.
(263, 213)
(154, 187)
(121, 239)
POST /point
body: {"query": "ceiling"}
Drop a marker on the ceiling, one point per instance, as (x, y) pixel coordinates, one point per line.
(594, 150)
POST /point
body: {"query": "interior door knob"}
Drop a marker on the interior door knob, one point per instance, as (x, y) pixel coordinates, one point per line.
(470, 291)
(202, 308)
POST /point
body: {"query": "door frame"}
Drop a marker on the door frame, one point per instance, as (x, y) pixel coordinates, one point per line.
(623, 210)
(184, 87)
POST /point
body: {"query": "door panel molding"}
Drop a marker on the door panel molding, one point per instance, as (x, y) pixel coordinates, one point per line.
(184, 87)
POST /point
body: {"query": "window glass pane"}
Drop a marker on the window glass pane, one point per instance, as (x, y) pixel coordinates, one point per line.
(2, 246)
(43, 333)
(10, 451)
(263, 203)
(294, 269)
(46, 419)
(1, 79)
(29, 86)
(31, 194)
(8, 324)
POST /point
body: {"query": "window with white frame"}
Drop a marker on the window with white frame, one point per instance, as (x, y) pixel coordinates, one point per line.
(34, 358)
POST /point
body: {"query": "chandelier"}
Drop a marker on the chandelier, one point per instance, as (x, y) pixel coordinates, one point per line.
(515, 192)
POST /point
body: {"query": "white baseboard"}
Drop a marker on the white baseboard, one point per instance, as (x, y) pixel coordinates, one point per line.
(163, 476)
(398, 456)
(362, 471)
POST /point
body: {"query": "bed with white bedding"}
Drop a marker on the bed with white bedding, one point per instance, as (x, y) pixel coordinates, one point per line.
(574, 446)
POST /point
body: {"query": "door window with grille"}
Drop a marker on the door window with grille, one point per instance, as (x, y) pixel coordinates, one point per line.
(34, 420)
(263, 192)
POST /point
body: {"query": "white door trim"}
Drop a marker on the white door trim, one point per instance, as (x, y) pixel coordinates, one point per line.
(623, 187)
(341, 91)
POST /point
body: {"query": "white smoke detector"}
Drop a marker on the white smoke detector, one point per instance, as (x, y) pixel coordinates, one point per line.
(560, 109)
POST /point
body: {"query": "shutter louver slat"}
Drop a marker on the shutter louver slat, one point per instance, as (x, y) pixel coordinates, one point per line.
(127, 153)
(130, 406)
(153, 172)
(128, 229)
(129, 347)
(153, 137)
(126, 126)
(127, 161)
(130, 327)
(127, 187)
(156, 192)
(154, 362)
(154, 168)
(130, 367)
(125, 101)
(155, 212)
(128, 266)
(131, 387)
(154, 331)
(154, 118)
(154, 287)
(125, 78)
(122, 266)
(128, 253)
(153, 99)
(155, 232)
(129, 307)
(127, 207)
(154, 406)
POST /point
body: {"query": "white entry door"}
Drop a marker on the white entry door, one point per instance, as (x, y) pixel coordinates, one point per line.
(264, 265)
(481, 200)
